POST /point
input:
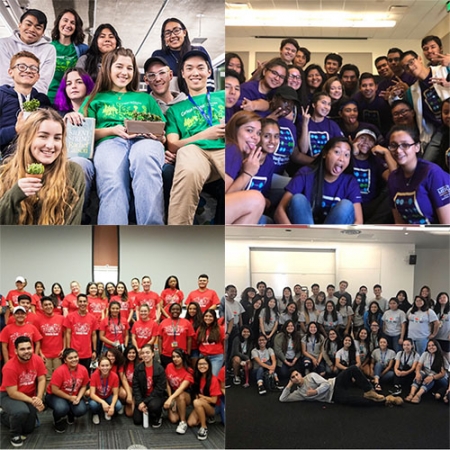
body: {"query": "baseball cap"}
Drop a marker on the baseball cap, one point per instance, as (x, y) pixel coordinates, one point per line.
(21, 279)
(154, 59)
(366, 131)
(193, 53)
(19, 308)
(287, 93)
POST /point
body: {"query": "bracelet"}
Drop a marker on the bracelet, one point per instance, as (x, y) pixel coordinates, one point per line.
(246, 173)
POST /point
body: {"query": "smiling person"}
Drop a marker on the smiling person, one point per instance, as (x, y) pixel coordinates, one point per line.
(419, 189)
(332, 64)
(57, 198)
(232, 92)
(288, 50)
(24, 72)
(315, 78)
(22, 391)
(195, 134)
(30, 37)
(122, 159)
(105, 40)
(67, 38)
(327, 192)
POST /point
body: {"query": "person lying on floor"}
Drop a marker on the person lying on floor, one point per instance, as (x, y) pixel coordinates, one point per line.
(313, 387)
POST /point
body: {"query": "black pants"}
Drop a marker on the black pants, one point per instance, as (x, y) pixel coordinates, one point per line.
(348, 386)
(18, 416)
(154, 406)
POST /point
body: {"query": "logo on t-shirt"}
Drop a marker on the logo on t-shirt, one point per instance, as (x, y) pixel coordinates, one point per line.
(81, 328)
(257, 183)
(328, 203)
(27, 378)
(407, 206)
(51, 329)
(372, 116)
(143, 333)
(444, 192)
(285, 148)
(317, 139)
(363, 178)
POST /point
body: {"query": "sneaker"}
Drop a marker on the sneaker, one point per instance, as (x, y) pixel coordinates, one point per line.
(95, 419)
(70, 419)
(236, 380)
(393, 401)
(158, 423)
(202, 434)
(107, 417)
(245, 385)
(278, 385)
(261, 389)
(60, 426)
(182, 428)
(372, 395)
(121, 411)
(211, 419)
(396, 391)
(16, 441)
(227, 382)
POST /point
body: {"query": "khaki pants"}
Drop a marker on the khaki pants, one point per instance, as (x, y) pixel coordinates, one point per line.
(51, 365)
(193, 168)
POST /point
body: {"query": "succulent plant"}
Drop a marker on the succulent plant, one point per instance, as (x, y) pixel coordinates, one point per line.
(31, 105)
(35, 169)
(146, 117)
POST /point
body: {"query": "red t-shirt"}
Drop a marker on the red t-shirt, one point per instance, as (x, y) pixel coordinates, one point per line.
(23, 375)
(150, 298)
(52, 331)
(129, 372)
(149, 376)
(211, 348)
(176, 376)
(144, 331)
(174, 334)
(13, 296)
(82, 328)
(170, 296)
(31, 318)
(68, 381)
(70, 302)
(11, 332)
(221, 375)
(132, 297)
(96, 306)
(205, 299)
(214, 388)
(104, 386)
(125, 306)
(115, 331)
(36, 301)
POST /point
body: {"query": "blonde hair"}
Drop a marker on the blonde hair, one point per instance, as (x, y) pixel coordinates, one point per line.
(55, 201)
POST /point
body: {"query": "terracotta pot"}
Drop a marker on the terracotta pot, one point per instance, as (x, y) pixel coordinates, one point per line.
(34, 175)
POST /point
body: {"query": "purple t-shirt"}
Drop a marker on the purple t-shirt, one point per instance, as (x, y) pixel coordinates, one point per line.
(368, 173)
(417, 199)
(319, 133)
(261, 181)
(345, 187)
(250, 91)
(376, 112)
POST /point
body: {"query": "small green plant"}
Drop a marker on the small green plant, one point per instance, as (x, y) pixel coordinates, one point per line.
(35, 169)
(145, 117)
(31, 105)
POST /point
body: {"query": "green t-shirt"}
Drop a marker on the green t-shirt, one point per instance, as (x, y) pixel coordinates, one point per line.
(186, 120)
(112, 108)
(66, 57)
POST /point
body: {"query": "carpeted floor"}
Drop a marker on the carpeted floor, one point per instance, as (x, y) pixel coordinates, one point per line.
(255, 421)
(120, 433)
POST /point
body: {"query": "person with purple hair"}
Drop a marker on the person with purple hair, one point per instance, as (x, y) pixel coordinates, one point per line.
(76, 85)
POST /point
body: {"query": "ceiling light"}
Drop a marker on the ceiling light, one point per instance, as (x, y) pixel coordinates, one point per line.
(294, 18)
(351, 232)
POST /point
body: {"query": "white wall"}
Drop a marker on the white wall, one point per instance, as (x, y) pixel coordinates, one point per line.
(355, 262)
(432, 269)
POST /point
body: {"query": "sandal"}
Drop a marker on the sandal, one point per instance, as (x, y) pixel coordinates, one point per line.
(409, 398)
(378, 387)
(416, 400)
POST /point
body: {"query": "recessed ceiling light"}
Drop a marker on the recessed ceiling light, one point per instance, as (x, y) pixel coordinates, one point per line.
(351, 232)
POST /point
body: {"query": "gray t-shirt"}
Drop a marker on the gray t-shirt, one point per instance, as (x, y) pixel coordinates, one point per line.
(265, 356)
(393, 321)
(324, 388)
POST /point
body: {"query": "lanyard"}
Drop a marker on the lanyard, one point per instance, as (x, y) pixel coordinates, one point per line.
(74, 380)
(174, 329)
(406, 362)
(208, 118)
(104, 386)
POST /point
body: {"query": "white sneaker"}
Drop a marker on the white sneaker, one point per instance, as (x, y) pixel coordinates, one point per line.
(182, 427)
(107, 417)
(95, 419)
(121, 411)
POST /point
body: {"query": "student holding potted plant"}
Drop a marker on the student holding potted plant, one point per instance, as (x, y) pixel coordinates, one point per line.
(122, 159)
(57, 199)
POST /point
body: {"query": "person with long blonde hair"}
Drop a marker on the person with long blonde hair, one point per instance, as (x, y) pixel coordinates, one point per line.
(57, 198)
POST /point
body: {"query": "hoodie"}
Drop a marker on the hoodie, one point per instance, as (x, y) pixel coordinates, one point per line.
(46, 53)
(9, 109)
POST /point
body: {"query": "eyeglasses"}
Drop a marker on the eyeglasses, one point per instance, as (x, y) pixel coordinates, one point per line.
(152, 75)
(294, 77)
(408, 65)
(24, 68)
(276, 74)
(393, 147)
(176, 31)
(400, 113)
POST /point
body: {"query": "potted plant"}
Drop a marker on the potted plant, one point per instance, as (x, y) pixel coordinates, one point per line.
(30, 106)
(35, 170)
(145, 123)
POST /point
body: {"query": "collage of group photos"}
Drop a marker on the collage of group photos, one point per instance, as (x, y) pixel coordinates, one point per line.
(224, 225)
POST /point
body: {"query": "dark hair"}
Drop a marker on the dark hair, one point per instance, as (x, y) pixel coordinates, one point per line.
(401, 291)
(93, 55)
(321, 73)
(295, 313)
(430, 38)
(91, 283)
(39, 282)
(415, 308)
(245, 327)
(290, 41)
(37, 14)
(125, 356)
(400, 102)
(351, 350)
(362, 306)
(21, 340)
(376, 286)
(308, 332)
(410, 53)
(55, 299)
(78, 35)
(203, 275)
(349, 67)
(228, 57)
(380, 58)
(214, 329)
(117, 354)
(367, 76)
(414, 134)
(238, 120)
(438, 363)
(81, 295)
(198, 376)
(394, 299)
(244, 295)
(62, 101)
(46, 298)
(395, 50)
(306, 52)
(326, 345)
(317, 96)
(374, 317)
(438, 309)
(187, 42)
(296, 339)
(108, 295)
(124, 296)
(268, 121)
(114, 302)
(365, 342)
(290, 299)
(233, 74)
(261, 282)
(267, 311)
(166, 284)
(23, 297)
(230, 286)
(272, 63)
(184, 358)
(173, 305)
(333, 57)
(195, 320)
(333, 312)
(66, 352)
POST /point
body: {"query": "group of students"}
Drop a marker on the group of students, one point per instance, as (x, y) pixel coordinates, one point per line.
(112, 351)
(312, 145)
(393, 343)
(140, 178)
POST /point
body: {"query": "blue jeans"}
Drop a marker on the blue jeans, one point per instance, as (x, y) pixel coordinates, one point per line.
(216, 363)
(120, 163)
(61, 407)
(441, 383)
(378, 368)
(96, 408)
(420, 345)
(18, 416)
(300, 212)
(393, 343)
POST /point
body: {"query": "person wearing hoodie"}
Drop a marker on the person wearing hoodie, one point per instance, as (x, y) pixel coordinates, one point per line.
(30, 36)
(24, 71)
